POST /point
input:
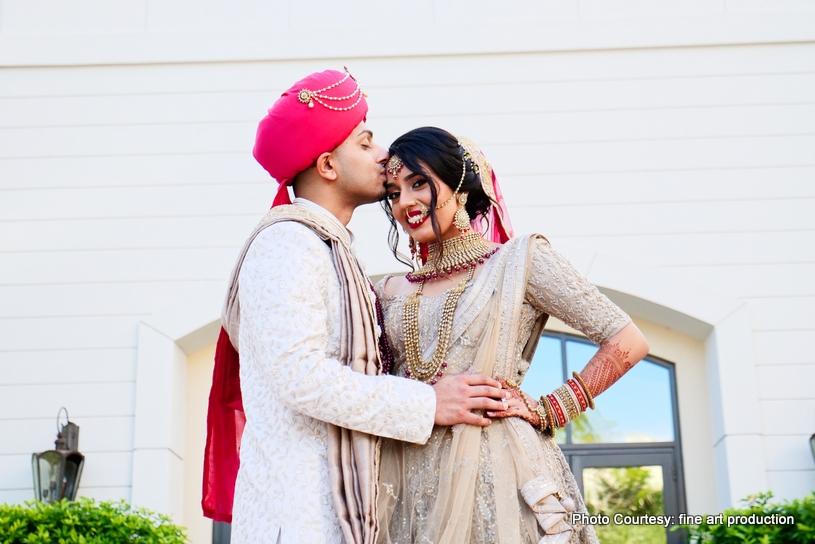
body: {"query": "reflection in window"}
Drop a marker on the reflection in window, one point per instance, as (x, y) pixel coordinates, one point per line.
(636, 409)
(630, 491)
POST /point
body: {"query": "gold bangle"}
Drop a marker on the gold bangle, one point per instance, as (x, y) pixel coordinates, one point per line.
(568, 402)
(550, 429)
(528, 406)
(541, 411)
(585, 389)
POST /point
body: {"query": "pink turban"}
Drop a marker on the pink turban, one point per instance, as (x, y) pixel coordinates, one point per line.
(313, 117)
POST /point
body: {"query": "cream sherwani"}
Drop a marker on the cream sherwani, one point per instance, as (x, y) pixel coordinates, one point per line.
(293, 385)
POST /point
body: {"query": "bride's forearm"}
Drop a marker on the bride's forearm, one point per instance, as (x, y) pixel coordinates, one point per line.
(614, 358)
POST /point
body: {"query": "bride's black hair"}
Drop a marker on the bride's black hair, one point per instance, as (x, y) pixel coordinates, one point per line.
(440, 152)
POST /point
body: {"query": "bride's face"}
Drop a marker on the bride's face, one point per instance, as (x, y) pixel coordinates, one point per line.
(409, 195)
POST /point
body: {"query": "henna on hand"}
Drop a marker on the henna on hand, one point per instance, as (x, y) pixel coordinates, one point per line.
(606, 367)
(516, 406)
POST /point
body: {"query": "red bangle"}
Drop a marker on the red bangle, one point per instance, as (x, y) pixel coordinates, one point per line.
(561, 419)
(579, 394)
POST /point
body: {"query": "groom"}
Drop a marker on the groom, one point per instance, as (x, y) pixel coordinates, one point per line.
(309, 394)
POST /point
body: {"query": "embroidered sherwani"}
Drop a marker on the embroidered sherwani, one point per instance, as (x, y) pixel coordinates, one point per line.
(506, 483)
(293, 386)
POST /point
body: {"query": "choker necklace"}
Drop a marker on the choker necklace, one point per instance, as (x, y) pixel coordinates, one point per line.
(419, 369)
(461, 253)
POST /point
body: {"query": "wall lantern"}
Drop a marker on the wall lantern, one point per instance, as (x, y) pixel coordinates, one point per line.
(812, 445)
(57, 471)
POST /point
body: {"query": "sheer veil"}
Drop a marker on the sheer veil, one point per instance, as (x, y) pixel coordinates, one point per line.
(496, 227)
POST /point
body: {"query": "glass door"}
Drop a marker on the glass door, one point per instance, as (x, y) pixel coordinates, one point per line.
(634, 492)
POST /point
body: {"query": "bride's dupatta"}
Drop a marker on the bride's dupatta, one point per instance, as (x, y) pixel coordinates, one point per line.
(520, 472)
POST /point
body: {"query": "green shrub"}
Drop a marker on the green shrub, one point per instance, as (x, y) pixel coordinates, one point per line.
(730, 530)
(85, 522)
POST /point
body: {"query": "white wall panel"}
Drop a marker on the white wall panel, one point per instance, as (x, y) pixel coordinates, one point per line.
(765, 280)
(639, 93)
(678, 186)
(708, 248)
(127, 140)
(104, 493)
(325, 35)
(96, 434)
(217, 231)
(634, 155)
(626, 124)
(136, 108)
(775, 314)
(32, 17)
(84, 400)
(792, 484)
(788, 452)
(709, 67)
(543, 122)
(193, 16)
(121, 202)
(75, 332)
(766, 6)
(789, 382)
(13, 496)
(75, 366)
(784, 347)
(15, 471)
(117, 266)
(788, 417)
(114, 299)
(668, 218)
(107, 469)
(144, 171)
(639, 8)
(161, 78)
(466, 12)
(398, 72)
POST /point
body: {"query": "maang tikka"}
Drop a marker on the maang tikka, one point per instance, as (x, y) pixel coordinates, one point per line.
(394, 165)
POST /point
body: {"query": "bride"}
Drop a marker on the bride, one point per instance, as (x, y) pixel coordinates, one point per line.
(478, 302)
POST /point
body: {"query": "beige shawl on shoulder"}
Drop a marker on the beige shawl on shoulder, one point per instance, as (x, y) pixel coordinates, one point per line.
(352, 455)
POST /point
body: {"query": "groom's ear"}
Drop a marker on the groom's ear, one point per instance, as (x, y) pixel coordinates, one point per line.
(325, 166)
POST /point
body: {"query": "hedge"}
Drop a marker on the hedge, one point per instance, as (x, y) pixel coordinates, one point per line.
(85, 522)
(760, 522)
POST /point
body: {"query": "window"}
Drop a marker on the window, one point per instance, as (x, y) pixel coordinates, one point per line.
(625, 454)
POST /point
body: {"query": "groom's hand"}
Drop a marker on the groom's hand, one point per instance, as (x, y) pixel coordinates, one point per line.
(457, 397)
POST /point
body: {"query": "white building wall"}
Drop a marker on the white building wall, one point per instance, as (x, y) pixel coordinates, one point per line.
(679, 137)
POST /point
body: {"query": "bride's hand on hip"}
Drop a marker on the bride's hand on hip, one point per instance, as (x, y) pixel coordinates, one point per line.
(518, 407)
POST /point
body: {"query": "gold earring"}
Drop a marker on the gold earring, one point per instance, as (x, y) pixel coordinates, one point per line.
(462, 219)
(413, 249)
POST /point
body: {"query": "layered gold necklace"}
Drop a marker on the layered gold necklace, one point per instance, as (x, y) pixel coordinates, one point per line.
(459, 253)
(462, 253)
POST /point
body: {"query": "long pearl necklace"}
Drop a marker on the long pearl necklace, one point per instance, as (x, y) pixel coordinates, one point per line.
(419, 369)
